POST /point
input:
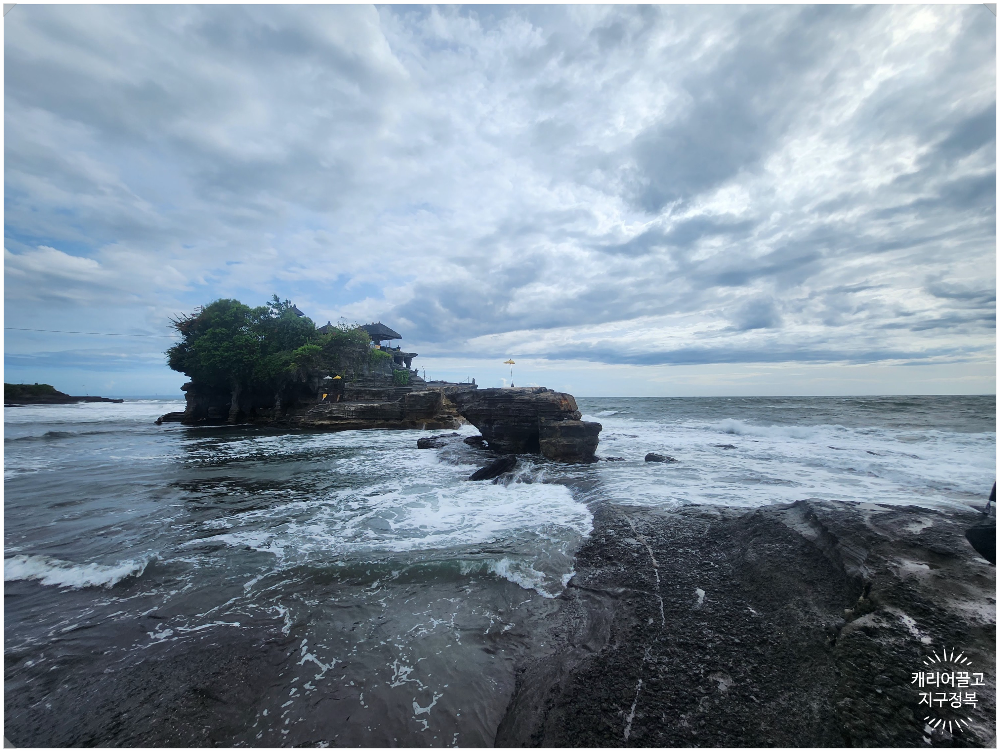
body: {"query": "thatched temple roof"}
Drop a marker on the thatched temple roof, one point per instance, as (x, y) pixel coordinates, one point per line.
(379, 332)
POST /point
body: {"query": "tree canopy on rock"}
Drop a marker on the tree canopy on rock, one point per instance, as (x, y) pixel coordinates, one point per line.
(270, 349)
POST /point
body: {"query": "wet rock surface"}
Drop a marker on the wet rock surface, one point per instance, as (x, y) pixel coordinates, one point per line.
(573, 441)
(653, 457)
(170, 417)
(983, 538)
(494, 469)
(793, 625)
(435, 441)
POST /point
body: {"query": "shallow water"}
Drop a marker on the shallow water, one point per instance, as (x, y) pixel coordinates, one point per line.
(403, 592)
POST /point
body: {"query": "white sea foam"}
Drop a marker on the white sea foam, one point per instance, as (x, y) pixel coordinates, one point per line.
(40, 417)
(734, 462)
(59, 573)
(525, 576)
(413, 504)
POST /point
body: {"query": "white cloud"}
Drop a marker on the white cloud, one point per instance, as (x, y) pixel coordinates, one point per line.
(569, 181)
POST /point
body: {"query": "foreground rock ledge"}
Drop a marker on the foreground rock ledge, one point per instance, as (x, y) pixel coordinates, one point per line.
(792, 625)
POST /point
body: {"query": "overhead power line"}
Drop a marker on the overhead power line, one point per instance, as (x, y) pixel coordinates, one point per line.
(91, 333)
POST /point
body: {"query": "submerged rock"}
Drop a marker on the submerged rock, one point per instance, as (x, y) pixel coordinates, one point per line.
(435, 441)
(495, 469)
(170, 417)
(651, 457)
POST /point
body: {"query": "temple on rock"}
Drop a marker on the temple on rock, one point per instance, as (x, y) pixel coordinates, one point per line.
(379, 333)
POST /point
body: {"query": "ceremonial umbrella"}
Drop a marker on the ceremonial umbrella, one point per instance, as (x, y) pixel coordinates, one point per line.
(511, 363)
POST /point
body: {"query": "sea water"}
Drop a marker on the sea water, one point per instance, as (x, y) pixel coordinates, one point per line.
(403, 593)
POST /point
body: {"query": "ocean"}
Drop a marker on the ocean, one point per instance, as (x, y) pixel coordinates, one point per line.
(245, 586)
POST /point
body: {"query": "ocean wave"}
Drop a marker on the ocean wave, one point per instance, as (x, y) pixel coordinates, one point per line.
(521, 573)
(55, 435)
(730, 426)
(55, 572)
(525, 576)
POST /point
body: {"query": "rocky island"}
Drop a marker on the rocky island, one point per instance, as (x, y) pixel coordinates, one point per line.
(273, 366)
(23, 394)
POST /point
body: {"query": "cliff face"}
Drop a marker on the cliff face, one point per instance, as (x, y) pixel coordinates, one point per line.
(364, 406)
(414, 410)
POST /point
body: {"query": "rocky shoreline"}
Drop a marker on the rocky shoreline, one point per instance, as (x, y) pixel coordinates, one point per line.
(790, 625)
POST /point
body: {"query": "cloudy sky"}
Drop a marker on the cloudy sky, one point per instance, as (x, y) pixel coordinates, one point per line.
(669, 200)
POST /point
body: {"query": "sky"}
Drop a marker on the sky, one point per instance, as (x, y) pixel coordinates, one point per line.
(673, 200)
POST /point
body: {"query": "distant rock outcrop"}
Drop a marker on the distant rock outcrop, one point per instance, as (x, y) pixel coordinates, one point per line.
(23, 394)
(530, 421)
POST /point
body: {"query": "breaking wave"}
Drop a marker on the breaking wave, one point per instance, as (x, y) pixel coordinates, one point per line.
(55, 572)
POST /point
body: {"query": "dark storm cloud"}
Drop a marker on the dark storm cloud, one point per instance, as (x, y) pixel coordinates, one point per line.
(758, 314)
(816, 183)
(683, 234)
(976, 297)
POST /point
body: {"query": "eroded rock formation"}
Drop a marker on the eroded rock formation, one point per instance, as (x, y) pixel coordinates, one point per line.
(532, 420)
(568, 440)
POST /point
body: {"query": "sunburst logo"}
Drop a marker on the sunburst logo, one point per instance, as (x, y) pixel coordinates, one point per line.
(948, 676)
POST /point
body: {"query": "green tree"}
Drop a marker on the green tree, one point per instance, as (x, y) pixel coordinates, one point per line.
(264, 355)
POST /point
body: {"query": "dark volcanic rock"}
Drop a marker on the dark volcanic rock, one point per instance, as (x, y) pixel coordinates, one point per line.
(170, 417)
(475, 440)
(983, 537)
(659, 458)
(794, 625)
(435, 441)
(423, 405)
(509, 418)
(573, 441)
(205, 405)
(495, 469)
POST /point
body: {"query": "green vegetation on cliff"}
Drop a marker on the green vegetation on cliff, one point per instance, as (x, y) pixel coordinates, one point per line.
(266, 355)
